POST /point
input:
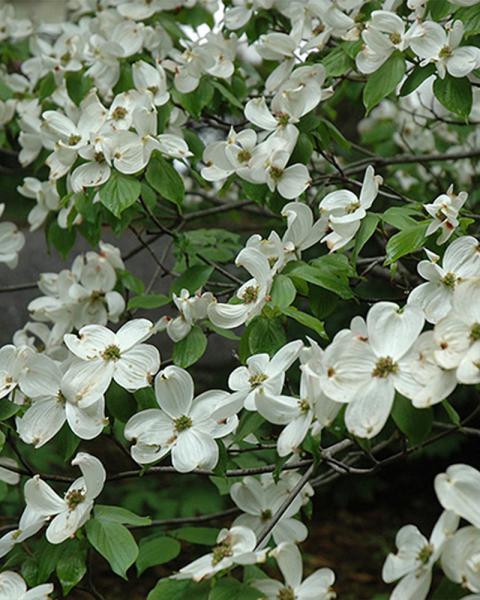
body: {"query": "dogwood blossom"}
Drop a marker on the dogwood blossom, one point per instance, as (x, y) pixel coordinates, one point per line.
(72, 511)
(444, 211)
(416, 556)
(235, 546)
(185, 426)
(104, 355)
(318, 585)
(13, 587)
(11, 242)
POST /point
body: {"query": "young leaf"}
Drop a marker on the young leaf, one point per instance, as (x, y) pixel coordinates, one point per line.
(163, 178)
(405, 242)
(415, 423)
(156, 551)
(266, 335)
(306, 320)
(148, 301)
(384, 81)
(120, 192)
(455, 93)
(416, 78)
(192, 279)
(117, 514)
(283, 291)
(186, 352)
(114, 542)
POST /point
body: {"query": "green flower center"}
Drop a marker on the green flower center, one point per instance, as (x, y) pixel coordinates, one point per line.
(425, 553)
(74, 498)
(283, 119)
(286, 593)
(222, 551)
(99, 157)
(250, 294)
(74, 139)
(385, 366)
(61, 398)
(395, 38)
(119, 113)
(351, 208)
(244, 156)
(449, 280)
(266, 515)
(445, 52)
(475, 332)
(256, 380)
(65, 58)
(182, 423)
(304, 406)
(276, 173)
(111, 353)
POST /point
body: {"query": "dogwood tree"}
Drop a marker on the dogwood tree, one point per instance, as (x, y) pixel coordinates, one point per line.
(301, 177)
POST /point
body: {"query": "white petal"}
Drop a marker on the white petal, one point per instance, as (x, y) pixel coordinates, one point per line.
(369, 411)
(174, 391)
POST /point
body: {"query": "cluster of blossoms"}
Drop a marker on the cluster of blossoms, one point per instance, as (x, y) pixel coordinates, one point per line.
(120, 105)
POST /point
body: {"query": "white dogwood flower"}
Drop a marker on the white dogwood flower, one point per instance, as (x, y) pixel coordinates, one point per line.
(13, 587)
(460, 262)
(121, 356)
(444, 211)
(72, 511)
(185, 426)
(12, 241)
(416, 556)
(263, 374)
(318, 585)
(235, 546)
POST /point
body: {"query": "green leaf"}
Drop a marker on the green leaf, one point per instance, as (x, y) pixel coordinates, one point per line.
(195, 144)
(367, 229)
(197, 535)
(192, 279)
(114, 542)
(266, 335)
(232, 589)
(120, 192)
(186, 352)
(120, 403)
(306, 320)
(415, 423)
(405, 242)
(71, 566)
(156, 551)
(195, 101)
(227, 94)
(61, 239)
(78, 85)
(455, 93)
(148, 301)
(439, 9)
(117, 514)
(337, 62)
(283, 291)
(173, 589)
(330, 272)
(249, 423)
(451, 412)
(303, 149)
(46, 86)
(416, 77)
(164, 179)
(470, 17)
(448, 590)
(131, 282)
(400, 217)
(384, 81)
(8, 409)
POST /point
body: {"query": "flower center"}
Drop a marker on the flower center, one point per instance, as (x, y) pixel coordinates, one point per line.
(276, 173)
(445, 52)
(449, 280)
(74, 498)
(304, 406)
(74, 139)
(244, 156)
(61, 398)
(111, 353)
(266, 515)
(283, 119)
(475, 332)
(182, 423)
(385, 366)
(99, 157)
(425, 553)
(351, 208)
(286, 593)
(221, 551)
(65, 58)
(395, 37)
(119, 113)
(250, 294)
(258, 379)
